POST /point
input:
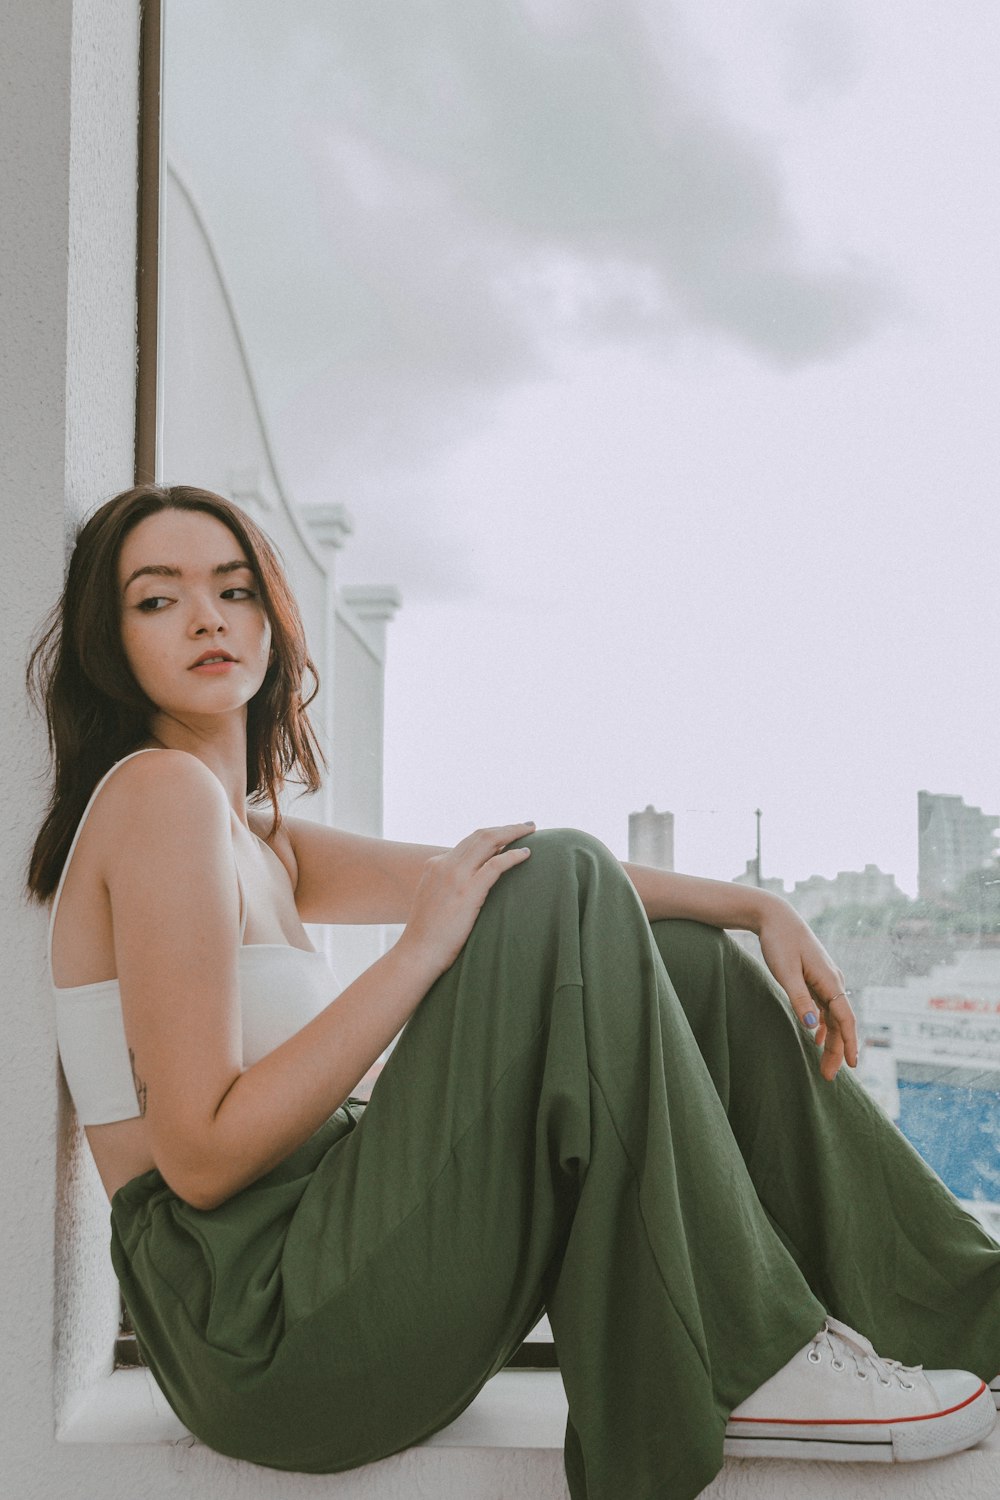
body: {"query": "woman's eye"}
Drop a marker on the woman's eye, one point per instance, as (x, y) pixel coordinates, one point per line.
(151, 606)
(240, 592)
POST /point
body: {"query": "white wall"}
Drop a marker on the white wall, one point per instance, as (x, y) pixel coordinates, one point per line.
(67, 359)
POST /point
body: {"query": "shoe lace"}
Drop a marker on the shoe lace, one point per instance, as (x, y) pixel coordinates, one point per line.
(843, 1344)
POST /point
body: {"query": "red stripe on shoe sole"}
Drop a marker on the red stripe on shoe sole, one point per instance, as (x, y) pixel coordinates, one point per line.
(926, 1416)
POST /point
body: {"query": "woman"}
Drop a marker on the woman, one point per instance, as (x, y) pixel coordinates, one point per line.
(599, 1105)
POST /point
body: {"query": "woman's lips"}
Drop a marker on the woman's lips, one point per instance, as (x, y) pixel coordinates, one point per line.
(212, 668)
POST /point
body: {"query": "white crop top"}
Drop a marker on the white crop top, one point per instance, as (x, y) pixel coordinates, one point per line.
(281, 988)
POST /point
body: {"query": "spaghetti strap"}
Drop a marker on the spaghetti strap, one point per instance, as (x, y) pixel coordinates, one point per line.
(147, 749)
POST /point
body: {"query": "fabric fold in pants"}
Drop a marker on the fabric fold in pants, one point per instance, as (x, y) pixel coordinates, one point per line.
(548, 1134)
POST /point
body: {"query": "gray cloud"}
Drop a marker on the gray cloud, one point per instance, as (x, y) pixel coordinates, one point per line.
(440, 194)
(587, 147)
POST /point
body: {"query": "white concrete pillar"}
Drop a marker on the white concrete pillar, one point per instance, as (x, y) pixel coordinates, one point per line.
(68, 135)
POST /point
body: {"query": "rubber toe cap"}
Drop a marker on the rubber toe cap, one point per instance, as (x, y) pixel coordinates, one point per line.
(953, 1387)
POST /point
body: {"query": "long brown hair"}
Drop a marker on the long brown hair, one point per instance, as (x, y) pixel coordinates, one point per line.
(79, 676)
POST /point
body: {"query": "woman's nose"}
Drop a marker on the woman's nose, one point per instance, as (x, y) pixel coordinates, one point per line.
(206, 618)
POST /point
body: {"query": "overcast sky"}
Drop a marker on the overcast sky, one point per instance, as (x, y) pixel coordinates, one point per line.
(653, 347)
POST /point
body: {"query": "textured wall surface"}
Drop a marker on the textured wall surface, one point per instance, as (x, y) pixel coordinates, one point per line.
(34, 192)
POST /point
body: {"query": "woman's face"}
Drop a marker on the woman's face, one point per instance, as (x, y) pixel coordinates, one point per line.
(193, 627)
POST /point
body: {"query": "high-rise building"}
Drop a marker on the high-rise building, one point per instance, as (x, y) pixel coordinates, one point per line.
(651, 838)
(953, 841)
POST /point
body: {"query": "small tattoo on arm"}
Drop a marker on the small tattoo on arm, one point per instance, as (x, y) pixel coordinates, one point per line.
(140, 1087)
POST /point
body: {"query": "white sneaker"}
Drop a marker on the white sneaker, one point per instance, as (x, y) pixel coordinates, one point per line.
(995, 1391)
(837, 1399)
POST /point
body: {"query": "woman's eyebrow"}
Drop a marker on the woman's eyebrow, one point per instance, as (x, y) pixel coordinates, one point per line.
(164, 570)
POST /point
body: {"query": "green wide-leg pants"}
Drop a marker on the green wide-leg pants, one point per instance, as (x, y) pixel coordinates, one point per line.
(620, 1123)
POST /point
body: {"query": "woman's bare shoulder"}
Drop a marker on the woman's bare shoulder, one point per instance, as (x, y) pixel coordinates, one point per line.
(148, 789)
(135, 856)
(161, 773)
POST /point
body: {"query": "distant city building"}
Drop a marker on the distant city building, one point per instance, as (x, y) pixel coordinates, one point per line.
(651, 838)
(953, 841)
(867, 887)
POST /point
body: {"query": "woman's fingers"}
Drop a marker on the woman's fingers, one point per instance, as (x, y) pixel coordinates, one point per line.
(505, 860)
(814, 985)
(486, 843)
(833, 1053)
(808, 1010)
(494, 865)
(837, 1033)
(841, 1020)
(831, 1021)
(453, 887)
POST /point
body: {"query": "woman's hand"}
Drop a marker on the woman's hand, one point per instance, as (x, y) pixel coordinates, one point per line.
(452, 889)
(812, 982)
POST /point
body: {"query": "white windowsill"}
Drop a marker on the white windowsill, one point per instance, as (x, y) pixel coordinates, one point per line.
(525, 1411)
(517, 1409)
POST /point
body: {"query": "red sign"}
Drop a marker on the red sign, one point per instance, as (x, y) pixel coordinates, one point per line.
(962, 1003)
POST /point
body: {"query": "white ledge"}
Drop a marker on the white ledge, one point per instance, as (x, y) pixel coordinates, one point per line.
(524, 1412)
(517, 1409)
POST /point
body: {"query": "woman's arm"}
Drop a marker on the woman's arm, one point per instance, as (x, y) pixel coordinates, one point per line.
(720, 903)
(791, 950)
(347, 877)
(214, 1127)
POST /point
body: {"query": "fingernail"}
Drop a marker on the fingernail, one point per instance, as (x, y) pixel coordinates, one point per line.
(810, 1018)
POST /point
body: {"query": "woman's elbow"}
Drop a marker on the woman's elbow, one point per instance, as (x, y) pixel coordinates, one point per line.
(200, 1181)
(200, 1193)
(197, 1190)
